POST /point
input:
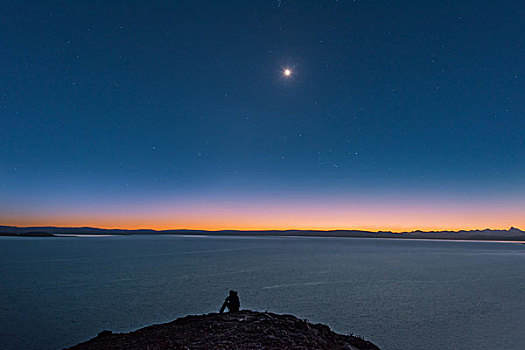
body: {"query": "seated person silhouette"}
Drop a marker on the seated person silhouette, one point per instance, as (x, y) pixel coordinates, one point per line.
(231, 302)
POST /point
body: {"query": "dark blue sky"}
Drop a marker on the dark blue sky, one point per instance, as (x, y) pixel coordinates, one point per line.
(135, 100)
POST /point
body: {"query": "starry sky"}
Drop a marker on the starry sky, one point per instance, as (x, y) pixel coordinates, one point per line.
(396, 115)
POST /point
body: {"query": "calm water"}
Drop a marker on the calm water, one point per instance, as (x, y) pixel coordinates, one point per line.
(408, 295)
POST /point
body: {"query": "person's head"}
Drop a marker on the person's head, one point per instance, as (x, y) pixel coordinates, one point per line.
(232, 292)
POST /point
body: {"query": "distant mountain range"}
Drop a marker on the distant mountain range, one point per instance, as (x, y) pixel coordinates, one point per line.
(512, 234)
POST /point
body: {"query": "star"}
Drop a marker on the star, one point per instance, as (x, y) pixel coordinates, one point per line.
(287, 72)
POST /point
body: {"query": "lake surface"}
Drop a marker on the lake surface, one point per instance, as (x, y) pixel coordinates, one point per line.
(400, 294)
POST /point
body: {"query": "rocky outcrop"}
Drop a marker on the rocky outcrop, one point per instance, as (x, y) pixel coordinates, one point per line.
(242, 330)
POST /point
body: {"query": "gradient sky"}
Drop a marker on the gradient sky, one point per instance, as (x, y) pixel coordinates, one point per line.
(398, 115)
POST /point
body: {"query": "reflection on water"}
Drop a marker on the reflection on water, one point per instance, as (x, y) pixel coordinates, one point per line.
(400, 294)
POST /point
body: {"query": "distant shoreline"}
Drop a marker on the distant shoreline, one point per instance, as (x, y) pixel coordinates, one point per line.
(510, 235)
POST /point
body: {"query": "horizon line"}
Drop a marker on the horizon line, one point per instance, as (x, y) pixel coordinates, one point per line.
(265, 229)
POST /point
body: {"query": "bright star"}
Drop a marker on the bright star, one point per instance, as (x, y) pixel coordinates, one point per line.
(287, 72)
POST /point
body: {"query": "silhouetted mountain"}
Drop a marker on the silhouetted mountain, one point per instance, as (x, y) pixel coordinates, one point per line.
(241, 330)
(512, 234)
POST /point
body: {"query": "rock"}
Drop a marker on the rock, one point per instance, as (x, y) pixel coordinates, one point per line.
(104, 333)
(242, 330)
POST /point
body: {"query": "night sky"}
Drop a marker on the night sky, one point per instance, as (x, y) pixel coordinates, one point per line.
(396, 115)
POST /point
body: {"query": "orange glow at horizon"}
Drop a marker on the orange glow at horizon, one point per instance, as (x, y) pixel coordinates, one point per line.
(220, 216)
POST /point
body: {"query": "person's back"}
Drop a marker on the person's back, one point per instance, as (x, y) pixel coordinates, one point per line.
(232, 302)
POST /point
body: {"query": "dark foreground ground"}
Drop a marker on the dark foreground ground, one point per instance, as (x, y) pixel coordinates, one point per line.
(243, 330)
